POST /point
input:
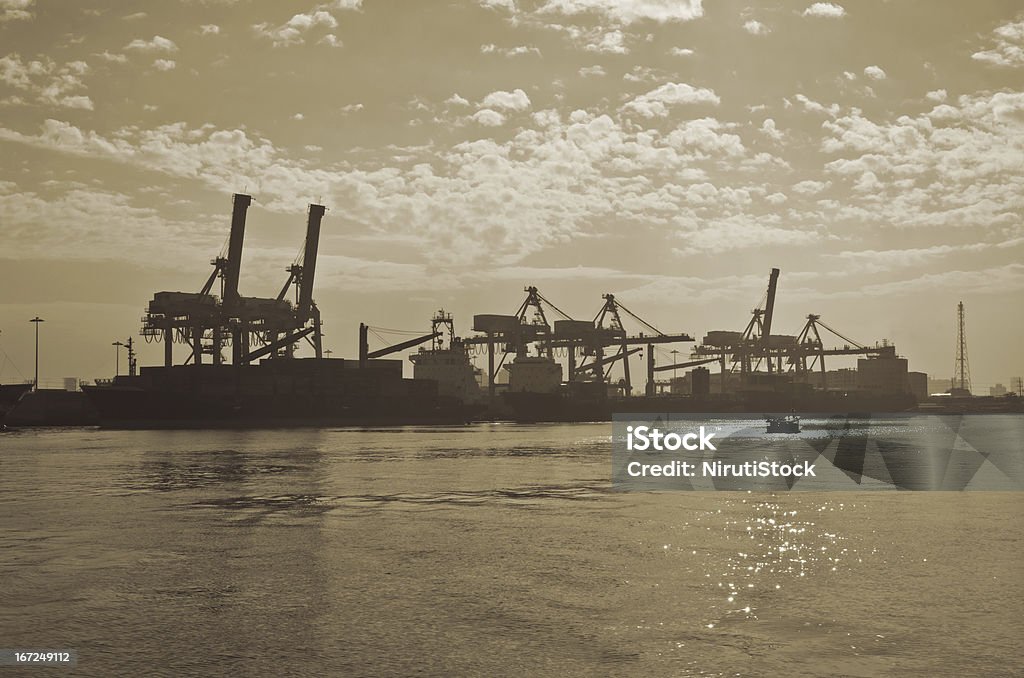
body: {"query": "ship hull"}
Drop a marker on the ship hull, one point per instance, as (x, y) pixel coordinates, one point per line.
(560, 407)
(289, 394)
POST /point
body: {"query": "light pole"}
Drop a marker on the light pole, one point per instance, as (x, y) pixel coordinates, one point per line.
(117, 356)
(36, 321)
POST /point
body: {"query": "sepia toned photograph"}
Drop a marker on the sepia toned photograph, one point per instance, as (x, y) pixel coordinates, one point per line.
(511, 338)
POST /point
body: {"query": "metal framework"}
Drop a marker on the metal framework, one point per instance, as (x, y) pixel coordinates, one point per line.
(961, 382)
(253, 327)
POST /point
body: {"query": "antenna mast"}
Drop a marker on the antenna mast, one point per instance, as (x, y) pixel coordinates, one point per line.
(962, 368)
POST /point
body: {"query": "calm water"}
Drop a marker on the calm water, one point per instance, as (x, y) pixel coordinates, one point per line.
(484, 550)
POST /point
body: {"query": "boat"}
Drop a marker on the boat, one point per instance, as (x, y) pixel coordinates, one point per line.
(789, 423)
(447, 362)
(271, 394)
(589, 401)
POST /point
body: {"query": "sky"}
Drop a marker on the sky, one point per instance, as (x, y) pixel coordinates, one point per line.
(668, 151)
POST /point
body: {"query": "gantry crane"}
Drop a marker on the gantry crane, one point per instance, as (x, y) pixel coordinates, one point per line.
(780, 353)
(207, 322)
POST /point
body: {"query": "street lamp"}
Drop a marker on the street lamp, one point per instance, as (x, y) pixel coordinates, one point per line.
(117, 356)
(36, 321)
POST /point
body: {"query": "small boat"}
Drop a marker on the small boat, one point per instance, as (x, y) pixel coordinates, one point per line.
(789, 423)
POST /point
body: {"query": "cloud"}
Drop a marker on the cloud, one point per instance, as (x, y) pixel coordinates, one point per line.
(476, 201)
(645, 74)
(937, 95)
(769, 130)
(810, 187)
(681, 51)
(81, 222)
(816, 107)
(875, 73)
(1008, 51)
(519, 50)
(998, 280)
(515, 100)
(508, 5)
(489, 118)
(331, 40)
(953, 167)
(595, 71)
(16, 10)
(113, 58)
(164, 64)
(156, 44)
(627, 11)
(756, 28)
(612, 42)
(657, 102)
(293, 31)
(46, 82)
(456, 100)
(827, 10)
(351, 108)
(877, 261)
(742, 232)
(209, 29)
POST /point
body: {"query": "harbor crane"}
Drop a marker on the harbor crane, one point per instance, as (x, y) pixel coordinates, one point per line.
(207, 322)
(800, 354)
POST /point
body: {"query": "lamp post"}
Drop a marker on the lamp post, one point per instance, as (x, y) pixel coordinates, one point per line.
(36, 321)
(117, 356)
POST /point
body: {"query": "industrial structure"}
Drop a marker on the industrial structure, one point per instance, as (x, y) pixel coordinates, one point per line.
(253, 327)
(242, 366)
(961, 368)
(264, 382)
(757, 368)
(592, 347)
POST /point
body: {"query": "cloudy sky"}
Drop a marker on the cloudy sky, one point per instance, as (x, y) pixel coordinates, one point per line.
(668, 151)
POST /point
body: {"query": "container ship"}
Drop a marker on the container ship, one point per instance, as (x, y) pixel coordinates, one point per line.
(262, 382)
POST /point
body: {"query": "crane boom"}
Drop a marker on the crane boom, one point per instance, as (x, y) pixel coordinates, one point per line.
(388, 350)
(769, 307)
(240, 204)
(316, 214)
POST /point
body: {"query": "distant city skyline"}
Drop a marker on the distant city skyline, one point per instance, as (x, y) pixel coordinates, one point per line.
(671, 152)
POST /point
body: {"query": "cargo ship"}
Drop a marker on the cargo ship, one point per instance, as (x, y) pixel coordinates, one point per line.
(273, 393)
(447, 363)
(589, 402)
(243, 369)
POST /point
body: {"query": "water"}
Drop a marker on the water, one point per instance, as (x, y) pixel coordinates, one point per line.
(482, 550)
